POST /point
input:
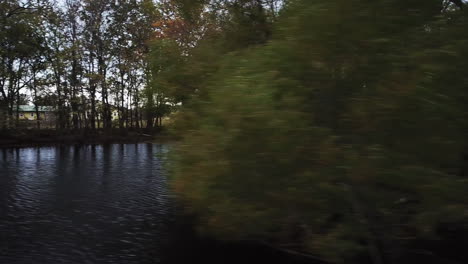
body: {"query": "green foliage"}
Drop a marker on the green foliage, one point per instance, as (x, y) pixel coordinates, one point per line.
(85, 52)
(349, 125)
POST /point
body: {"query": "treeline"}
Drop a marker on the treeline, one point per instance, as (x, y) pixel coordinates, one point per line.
(336, 128)
(86, 58)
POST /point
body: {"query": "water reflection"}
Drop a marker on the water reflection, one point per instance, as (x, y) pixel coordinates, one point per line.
(83, 204)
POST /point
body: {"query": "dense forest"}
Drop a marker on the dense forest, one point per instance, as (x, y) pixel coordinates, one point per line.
(335, 129)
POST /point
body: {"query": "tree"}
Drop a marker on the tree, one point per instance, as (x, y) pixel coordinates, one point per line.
(20, 43)
(93, 54)
(343, 135)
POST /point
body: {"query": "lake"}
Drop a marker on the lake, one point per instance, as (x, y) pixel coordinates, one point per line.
(102, 204)
(84, 204)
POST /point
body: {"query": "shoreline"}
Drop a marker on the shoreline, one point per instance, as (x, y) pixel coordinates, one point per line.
(45, 138)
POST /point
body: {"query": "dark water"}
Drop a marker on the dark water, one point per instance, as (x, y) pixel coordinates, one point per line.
(88, 204)
(102, 204)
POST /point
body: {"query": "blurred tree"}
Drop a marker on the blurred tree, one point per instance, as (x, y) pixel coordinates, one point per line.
(343, 135)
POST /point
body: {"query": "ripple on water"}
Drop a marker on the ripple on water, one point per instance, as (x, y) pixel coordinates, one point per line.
(89, 204)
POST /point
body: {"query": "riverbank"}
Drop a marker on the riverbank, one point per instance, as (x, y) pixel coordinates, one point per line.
(50, 137)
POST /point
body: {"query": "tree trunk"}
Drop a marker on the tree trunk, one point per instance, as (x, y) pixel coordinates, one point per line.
(36, 108)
